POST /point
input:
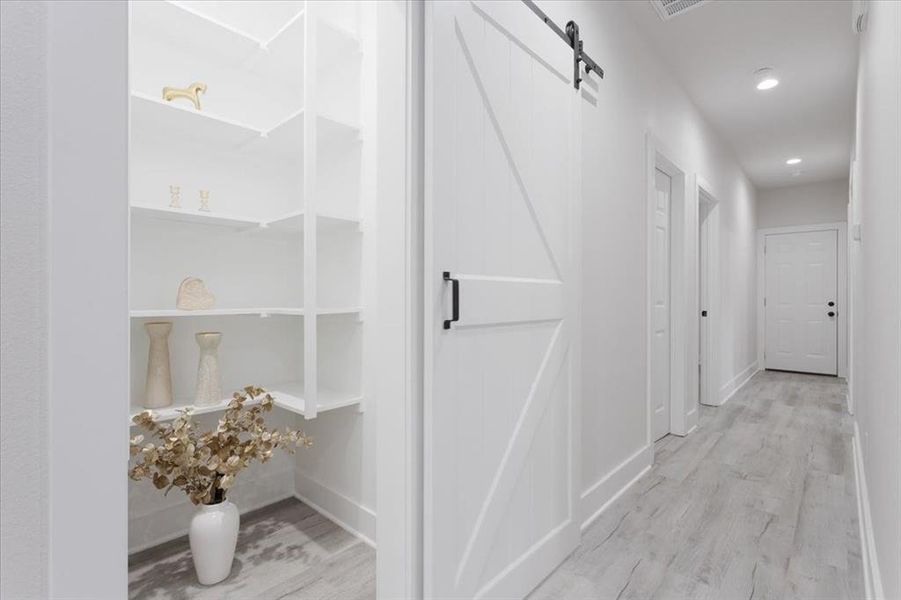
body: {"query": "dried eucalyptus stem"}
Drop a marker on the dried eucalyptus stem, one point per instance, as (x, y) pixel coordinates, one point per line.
(204, 465)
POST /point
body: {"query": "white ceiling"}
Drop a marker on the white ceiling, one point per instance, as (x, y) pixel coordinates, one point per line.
(714, 50)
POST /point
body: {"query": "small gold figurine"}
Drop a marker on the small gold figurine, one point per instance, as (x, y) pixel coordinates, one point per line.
(192, 93)
(205, 200)
(174, 192)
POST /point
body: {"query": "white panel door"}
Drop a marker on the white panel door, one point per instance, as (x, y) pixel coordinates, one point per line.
(703, 301)
(801, 302)
(502, 382)
(660, 309)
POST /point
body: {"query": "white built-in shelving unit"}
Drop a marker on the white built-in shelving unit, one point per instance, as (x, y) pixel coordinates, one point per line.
(280, 145)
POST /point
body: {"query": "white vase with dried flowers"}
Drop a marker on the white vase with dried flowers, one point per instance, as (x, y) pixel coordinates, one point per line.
(204, 465)
(213, 536)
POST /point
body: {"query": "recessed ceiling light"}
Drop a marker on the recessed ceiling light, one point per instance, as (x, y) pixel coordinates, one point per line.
(793, 161)
(766, 78)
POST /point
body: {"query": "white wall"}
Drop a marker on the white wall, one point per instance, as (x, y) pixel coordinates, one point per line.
(88, 298)
(876, 291)
(806, 204)
(638, 94)
(23, 300)
(64, 234)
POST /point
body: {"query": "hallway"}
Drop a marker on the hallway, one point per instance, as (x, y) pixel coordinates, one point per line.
(758, 503)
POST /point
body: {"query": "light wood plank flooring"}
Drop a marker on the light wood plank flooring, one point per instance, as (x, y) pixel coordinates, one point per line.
(759, 502)
(285, 551)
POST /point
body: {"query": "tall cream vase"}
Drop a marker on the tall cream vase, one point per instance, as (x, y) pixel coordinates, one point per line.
(158, 385)
(209, 390)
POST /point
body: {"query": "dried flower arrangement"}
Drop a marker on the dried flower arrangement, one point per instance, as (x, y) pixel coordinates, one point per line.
(204, 465)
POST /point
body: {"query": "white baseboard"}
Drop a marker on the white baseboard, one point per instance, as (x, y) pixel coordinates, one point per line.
(347, 513)
(610, 487)
(736, 383)
(871, 576)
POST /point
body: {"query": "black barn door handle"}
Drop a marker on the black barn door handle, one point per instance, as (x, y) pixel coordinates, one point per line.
(455, 299)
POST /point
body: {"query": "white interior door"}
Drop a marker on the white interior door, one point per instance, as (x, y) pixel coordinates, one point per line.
(660, 308)
(502, 382)
(703, 300)
(801, 282)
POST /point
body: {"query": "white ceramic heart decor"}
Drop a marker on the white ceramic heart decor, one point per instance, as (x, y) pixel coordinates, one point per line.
(193, 295)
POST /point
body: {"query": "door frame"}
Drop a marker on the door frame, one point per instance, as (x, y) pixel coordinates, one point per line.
(683, 213)
(399, 425)
(709, 382)
(841, 229)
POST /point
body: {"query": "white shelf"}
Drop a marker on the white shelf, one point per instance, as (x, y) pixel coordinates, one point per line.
(292, 222)
(261, 39)
(214, 312)
(153, 313)
(222, 26)
(284, 137)
(170, 412)
(348, 310)
(287, 396)
(180, 119)
(190, 215)
(264, 72)
(331, 222)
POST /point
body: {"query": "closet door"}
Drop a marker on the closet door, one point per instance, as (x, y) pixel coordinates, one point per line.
(502, 188)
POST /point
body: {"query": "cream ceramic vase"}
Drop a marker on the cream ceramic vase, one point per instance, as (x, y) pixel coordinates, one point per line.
(158, 386)
(209, 390)
(213, 536)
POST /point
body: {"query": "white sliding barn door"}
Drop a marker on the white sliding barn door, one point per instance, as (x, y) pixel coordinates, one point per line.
(801, 282)
(502, 168)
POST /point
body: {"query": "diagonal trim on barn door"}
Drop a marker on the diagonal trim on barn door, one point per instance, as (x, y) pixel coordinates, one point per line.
(508, 154)
(507, 474)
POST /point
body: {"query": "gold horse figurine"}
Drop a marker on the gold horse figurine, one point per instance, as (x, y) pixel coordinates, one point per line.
(192, 93)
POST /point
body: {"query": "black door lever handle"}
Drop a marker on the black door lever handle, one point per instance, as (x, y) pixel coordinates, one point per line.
(830, 313)
(455, 299)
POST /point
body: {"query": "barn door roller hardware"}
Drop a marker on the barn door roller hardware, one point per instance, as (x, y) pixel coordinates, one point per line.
(571, 37)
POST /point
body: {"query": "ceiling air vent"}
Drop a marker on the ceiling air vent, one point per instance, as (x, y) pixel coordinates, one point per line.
(667, 9)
